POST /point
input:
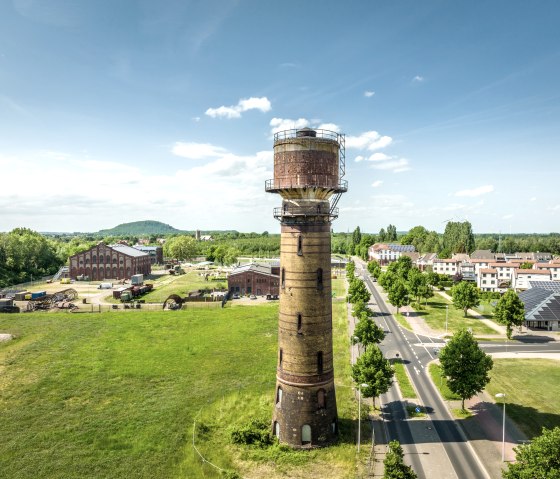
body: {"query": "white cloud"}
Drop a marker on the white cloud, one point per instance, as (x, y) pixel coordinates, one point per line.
(554, 208)
(391, 202)
(197, 151)
(533, 199)
(396, 166)
(377, 183)
(234, 111)
(369, 94)
(418, 79)
(370, 140)
(196, 118)
(281, 124)
(379, 157)
(329, 126)
(507, 217)
(481, 190)
(359, 158)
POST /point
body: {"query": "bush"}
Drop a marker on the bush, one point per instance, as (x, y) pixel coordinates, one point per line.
(257, 432)
(489, 295)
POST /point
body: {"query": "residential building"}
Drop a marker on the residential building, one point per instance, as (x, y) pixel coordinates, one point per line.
(487, 279)
(554, 269)
(450, 267)
(505, 272)
(468, 271)
(385, 253)
(426, 261)
(521, 277)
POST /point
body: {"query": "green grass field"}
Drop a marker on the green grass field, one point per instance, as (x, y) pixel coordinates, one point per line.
(181, 285)
(434, 314)
(115, 395)
(532, 388)
(405, 385)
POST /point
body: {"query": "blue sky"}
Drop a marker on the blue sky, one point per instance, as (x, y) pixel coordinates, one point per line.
(118, 111)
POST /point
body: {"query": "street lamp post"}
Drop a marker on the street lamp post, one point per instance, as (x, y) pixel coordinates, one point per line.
(360, 413)
(503, 396)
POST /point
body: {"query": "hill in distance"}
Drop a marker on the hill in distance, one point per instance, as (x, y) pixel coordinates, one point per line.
(139, 228)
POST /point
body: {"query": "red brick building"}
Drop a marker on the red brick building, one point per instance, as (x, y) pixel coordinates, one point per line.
(257, 279)
(109, 262)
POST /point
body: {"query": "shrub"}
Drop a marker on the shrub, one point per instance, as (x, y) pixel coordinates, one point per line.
(257, 432)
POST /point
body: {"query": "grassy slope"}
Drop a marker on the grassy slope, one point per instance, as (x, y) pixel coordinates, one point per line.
(110, 395)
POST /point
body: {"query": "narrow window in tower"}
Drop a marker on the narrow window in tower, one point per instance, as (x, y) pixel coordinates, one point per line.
(305, 434)
(277, 429)
(320, 279)
(321, 399)
(320, 362)
(300, 245)
(281, 357)
(283, 278)
(299, 324)
(279, 396)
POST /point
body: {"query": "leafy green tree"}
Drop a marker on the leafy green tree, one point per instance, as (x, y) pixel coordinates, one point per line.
(538, 459)
(395, 468)
(367, 332)
(458, 237)
(416, 283)
(510, 311)
(465, 365)
(357, 291)
(350, 270)
(356, 236)
(387, 279)
(373, 369)
(401, 267)
(465, 296)
(374, 268)
(181, 247)
(391, 233)
(398, 295)
(382, 235)
(526, 265)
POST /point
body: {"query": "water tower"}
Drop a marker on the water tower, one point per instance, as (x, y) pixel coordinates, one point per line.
(308, 167)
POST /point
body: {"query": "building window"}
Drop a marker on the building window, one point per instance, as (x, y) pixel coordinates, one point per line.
(320, 279)
(305, 434)
(281, 357)
(279, 396)
(283, 278)
(321, 399)
(300, 245)
(299, 323)
(277, 429)
(320, 362)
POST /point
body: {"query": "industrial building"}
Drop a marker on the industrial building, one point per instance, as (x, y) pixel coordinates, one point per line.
(255, 278)
(308, 166)
(103, 261)
(155, 252)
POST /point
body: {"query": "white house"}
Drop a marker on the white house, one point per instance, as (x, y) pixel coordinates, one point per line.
(385, 253)
(505, 271)
(450, 267)
(521, 277)
(487, 279)
(554, 269)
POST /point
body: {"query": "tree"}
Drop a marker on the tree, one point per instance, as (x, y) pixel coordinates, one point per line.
(526, 265)
(373, 268)
(458, 237)
(373, 369)
(350, 270)
(356, 236)
(391, 233)
(398, 295)
(395, 468)
(382, 235)
(538, 459)
(357, 291)
(367, 332)
(510, 311)
(181, 247)
(401, 267)
(416, 283)
(465, 365)
(465, 296)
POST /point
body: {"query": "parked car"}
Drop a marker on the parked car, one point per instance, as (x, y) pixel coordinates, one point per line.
(252, 297)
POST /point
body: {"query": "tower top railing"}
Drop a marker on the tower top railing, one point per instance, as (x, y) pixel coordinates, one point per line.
(317, 133)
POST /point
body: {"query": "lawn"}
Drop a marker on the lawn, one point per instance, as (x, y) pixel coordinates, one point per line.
(532, 388)
(435, 313)
(181, 285)
(116, 395)
(405, 385)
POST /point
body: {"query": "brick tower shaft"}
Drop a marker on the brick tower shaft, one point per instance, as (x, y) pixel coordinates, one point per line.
(306, 175)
